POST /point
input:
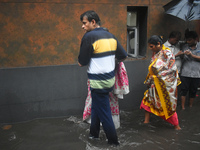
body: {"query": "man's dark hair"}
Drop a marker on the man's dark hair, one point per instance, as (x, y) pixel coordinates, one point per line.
(175, 34)
(90, 16)
(191, 34)
(155, 39)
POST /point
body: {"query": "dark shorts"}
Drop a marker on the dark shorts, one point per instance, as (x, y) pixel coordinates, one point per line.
(189, 84)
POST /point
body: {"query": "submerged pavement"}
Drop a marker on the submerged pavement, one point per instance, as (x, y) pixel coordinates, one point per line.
(70, 133)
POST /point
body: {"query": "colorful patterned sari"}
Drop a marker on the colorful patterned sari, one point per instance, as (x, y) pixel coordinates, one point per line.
(121, 88)
(161, 96)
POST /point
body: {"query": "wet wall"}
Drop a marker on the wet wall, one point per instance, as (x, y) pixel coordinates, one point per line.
(39, 45)
(54, 91)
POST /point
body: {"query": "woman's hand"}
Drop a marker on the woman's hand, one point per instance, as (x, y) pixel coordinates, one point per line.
(152, 85)
(150, 82)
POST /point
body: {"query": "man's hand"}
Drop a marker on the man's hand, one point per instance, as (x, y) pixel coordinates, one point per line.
(80, 64)
(179, 53)
(188, 52)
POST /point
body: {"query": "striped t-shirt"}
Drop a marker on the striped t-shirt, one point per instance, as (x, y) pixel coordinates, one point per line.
(99, 48)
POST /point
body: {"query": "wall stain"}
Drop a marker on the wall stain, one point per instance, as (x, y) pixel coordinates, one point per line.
(48, 32)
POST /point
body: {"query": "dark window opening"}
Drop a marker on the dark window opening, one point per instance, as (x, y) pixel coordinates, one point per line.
(137, 31)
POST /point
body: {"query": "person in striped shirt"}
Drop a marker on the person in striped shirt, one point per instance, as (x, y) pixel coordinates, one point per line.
(99, 51)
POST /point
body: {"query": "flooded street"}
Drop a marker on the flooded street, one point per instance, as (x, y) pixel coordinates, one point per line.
(70, 133)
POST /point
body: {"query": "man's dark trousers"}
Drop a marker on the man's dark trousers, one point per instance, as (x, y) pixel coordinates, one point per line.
(101, 113)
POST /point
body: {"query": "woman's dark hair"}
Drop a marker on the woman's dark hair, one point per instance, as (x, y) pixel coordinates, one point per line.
(155, 39)
(90, 16)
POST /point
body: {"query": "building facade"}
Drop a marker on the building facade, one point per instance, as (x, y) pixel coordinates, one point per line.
(39, 46)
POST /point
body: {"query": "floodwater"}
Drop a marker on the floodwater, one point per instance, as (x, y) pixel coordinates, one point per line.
(70, 133)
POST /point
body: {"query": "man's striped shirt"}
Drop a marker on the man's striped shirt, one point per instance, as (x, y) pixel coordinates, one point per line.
(99, 48)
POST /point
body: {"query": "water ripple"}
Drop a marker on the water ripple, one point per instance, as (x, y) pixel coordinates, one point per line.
(194, 142)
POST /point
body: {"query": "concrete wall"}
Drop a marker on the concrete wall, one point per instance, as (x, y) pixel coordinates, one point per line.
(53, 91)
(36, 92)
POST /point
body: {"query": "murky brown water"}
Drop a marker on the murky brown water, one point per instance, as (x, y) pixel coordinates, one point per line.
(70, 133)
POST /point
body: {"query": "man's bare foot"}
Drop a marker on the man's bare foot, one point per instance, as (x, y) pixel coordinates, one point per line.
(177, 127)
(145, 122)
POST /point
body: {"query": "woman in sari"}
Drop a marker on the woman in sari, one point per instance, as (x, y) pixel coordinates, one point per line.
(162, 80)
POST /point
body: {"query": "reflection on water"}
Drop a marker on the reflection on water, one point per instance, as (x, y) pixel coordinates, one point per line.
(70, 133)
